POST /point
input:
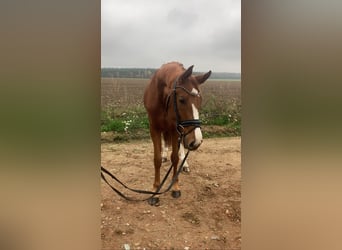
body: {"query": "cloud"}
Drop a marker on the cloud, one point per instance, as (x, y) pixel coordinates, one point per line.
(149, 33)
(184, 18)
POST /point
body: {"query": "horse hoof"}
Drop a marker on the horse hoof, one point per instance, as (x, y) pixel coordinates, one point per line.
(153, 201)
(186, 170)
(176, 194)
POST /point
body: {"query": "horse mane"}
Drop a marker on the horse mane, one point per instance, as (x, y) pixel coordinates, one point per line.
(162, 81)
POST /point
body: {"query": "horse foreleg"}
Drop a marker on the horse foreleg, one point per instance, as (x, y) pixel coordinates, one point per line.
(156, 139)
(182, 156)
(176, 193)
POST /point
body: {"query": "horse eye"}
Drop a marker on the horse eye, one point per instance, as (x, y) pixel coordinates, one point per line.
(182, 100)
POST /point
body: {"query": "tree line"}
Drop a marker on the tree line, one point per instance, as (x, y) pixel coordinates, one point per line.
(148, 72)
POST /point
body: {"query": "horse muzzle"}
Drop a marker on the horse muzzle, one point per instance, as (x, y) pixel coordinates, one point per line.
(193, 140)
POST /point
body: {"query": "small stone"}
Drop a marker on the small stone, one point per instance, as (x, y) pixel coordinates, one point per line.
(126, 247)
(215, 237)
(186, 248)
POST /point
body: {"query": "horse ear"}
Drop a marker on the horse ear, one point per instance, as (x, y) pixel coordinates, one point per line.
(186, 73)
(202, 78)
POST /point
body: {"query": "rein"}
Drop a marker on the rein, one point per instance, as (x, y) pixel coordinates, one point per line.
(103, 170)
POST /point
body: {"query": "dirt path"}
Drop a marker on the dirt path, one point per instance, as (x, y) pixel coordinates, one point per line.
(206, 216)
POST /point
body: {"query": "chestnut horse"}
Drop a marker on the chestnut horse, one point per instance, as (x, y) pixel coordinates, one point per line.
(172, 100)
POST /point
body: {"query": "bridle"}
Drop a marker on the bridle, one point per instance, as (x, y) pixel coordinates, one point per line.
(180, 125)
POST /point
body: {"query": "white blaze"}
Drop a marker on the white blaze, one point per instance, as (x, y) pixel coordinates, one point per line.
(198, 133)
(194, 91)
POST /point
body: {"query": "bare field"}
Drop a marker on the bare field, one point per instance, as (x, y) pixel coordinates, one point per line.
(206, 216)
(129, 91)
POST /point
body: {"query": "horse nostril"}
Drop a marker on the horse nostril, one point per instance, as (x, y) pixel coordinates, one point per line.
(194, 145)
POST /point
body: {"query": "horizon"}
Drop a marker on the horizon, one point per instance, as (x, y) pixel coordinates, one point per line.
(133, 67)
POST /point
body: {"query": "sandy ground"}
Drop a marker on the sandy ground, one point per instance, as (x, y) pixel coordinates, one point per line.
(206, 216)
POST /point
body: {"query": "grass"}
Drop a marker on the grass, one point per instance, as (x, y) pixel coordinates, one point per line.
(131, 123)
(226, 114)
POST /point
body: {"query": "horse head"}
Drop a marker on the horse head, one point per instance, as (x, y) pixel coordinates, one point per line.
(187, 100)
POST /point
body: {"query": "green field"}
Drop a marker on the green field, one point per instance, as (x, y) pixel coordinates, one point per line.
(123, 115)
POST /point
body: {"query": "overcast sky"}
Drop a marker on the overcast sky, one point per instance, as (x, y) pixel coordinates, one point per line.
(148, 33)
